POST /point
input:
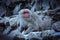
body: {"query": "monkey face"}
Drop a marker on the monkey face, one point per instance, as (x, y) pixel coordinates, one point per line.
(26, 14)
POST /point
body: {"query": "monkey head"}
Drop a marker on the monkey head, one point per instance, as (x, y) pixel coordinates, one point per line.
(25, 13)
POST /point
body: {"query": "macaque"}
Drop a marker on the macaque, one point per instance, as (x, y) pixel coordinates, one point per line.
(30, 19)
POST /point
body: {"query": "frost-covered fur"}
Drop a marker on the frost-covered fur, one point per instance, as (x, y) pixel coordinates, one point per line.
(34, 22)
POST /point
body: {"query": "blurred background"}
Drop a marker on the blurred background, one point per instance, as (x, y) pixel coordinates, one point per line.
(9, 8)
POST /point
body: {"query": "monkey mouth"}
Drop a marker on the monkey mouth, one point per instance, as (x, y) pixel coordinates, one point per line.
(26, 12)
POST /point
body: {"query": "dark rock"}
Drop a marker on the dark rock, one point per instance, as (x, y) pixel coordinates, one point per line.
(4, 37)
(16, 38)
(56, 26)
(34, 39)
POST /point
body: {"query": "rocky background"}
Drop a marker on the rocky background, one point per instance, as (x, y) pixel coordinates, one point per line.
(8, 8)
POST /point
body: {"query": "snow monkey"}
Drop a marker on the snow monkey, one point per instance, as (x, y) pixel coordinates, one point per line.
(30, 19)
